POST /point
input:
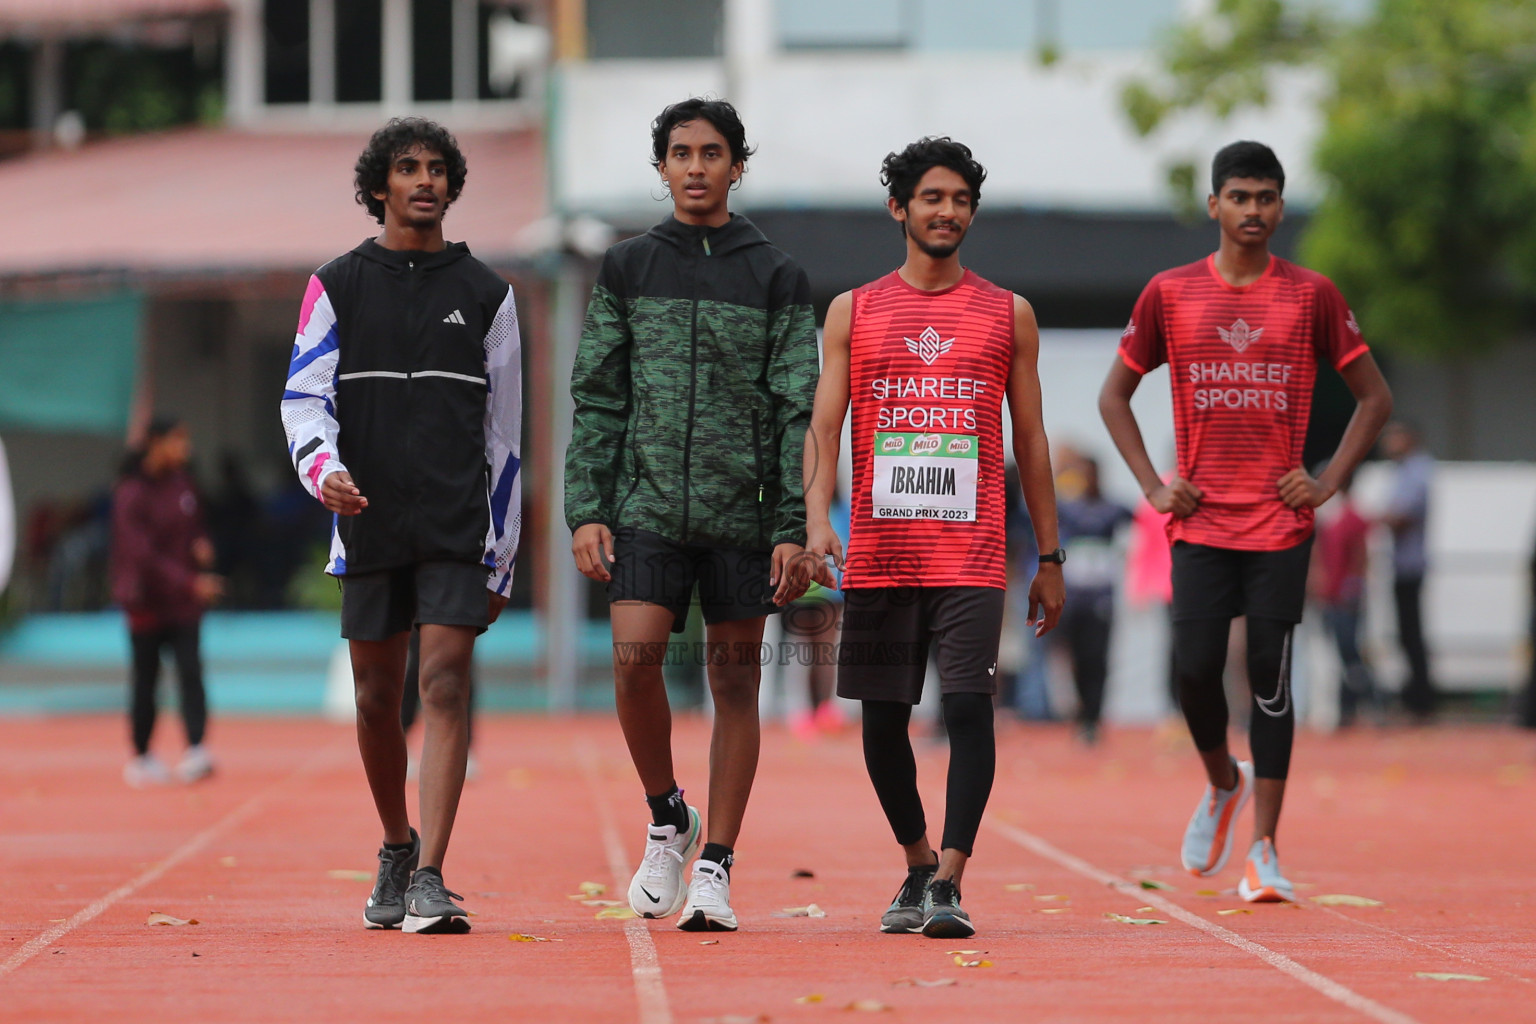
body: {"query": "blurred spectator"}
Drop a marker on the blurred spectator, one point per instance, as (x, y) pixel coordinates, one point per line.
(1088, 523)
(1030, 697)
(234, 523)
(161, 578)
(1407, 516)
(1149, 575)
(1337, 584)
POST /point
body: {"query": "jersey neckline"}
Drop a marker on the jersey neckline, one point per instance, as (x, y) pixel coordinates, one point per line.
(1210, 263)
(904, 283)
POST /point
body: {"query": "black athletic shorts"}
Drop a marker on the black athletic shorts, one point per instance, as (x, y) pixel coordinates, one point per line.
(733, 582)
(888, 632)
(377, 605)
(1223, 583)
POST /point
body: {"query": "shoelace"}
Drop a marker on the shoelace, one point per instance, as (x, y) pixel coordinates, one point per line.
(388, 891)
(435, 889)
(944, 891)
(654, 862)
(714, 886)
(912, 889)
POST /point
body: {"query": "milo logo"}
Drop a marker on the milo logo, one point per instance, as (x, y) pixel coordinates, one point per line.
(926, 444)
(959, 444)
(893, 443)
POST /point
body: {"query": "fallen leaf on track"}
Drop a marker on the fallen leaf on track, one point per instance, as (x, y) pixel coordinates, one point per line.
(1234, 910)
(961, 961)
(814, 997)
(156, 917)
(522, 937)
(228, 862)
(1206, 892)
(1052, 896)
(592, 888)
(808, 911)
(1145, 910)
(709, 942)
(1152, 883)
(867, 1006)
(964, 952)
(615, 914)
(348, 875)
(602, 903)
(1443, 976)
(1018, 887)
(1344, 900)
(925, 982)
(1055, 910)
(802, 873)
(1123, 919)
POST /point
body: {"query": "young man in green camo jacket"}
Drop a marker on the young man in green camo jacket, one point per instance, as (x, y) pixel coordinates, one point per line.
(693, 387)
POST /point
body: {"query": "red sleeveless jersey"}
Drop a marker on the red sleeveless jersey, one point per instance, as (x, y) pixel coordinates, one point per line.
(1242, 362)
(926, 377)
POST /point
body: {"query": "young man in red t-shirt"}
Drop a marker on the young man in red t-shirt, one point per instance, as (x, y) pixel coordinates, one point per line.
(1242, 332)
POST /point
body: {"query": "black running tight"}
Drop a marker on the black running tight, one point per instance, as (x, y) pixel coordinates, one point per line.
(143, 706)
(1200, 656)
(893, 768)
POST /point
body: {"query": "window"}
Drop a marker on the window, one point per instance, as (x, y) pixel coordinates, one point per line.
(654, 28)
(359, 51)
(286, 29)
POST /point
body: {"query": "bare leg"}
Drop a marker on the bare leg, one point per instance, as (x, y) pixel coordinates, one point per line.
(734, 674)
(920, 854)
(378, 675)
(951, 865)
(640, 633)
(445, 657)
(1268, 795)
(1220, 769)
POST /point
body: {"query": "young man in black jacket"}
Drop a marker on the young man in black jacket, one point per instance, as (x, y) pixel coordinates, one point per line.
(693, 388)
(403, 411)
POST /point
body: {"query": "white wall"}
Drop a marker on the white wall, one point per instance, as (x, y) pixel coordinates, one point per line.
(1051, 137)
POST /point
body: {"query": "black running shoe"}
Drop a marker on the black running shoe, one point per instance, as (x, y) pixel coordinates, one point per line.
(905, 914)
(942, 916)
(386, 907)
(429, 906)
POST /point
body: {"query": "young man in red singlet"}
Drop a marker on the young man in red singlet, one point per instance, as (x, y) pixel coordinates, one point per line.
(1242, 332)
(926, 354)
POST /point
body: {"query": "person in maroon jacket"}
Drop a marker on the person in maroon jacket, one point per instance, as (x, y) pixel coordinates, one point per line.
(160, 561)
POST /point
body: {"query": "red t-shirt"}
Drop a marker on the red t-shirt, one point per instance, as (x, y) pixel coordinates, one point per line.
(1242, 362)
(926, 378)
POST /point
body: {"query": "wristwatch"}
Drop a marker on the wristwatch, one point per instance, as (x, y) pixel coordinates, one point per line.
(1059, 557)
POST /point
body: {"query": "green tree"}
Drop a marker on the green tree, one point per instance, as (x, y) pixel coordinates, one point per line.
(1428, 149)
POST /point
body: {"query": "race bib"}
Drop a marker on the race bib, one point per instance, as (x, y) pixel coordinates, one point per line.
(925, 476)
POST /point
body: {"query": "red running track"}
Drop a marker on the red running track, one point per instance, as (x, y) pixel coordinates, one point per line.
(269, 858)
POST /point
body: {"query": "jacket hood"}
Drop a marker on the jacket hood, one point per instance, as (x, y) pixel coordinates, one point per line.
(736, 233)
(372, 250)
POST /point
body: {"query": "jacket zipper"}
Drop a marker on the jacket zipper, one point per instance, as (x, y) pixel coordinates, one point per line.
(757, 467)
(693, 391)
(410, 394)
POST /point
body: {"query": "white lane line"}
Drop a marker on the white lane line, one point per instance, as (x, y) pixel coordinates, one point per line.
(650, 990)
(192, 846)
(1442, 950)
(1279, 961)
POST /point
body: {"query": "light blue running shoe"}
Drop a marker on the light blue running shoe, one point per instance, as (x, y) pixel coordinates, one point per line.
(1262, 881)
(1208, 839)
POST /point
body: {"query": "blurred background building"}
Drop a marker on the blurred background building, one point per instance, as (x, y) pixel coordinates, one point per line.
(176, 168)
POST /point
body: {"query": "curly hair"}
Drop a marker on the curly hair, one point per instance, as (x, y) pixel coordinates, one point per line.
(900, 172)
(400, 136)
(720, 114)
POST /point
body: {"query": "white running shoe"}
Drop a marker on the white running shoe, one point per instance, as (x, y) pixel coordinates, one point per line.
(195, 765)
(1208, 838)
(145, 770)
(657, 890)
(709, 900)
(1262, 881)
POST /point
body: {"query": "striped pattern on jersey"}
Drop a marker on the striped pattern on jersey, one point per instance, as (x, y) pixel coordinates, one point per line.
(1242, 363)
(928, 370)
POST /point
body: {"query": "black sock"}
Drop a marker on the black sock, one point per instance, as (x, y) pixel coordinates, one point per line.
(400, 847)
(669, 809)
(436, 871)
(722, 855)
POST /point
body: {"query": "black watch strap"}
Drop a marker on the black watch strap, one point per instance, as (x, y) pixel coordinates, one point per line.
(1057, 557)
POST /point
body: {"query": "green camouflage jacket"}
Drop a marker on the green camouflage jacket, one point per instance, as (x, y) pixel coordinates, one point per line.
(693, 387)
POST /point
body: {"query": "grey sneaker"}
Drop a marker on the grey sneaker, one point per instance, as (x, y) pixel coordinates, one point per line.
(943, 917)
(429, 906)
(1209, 834)
(905, 914)
(386, 906)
